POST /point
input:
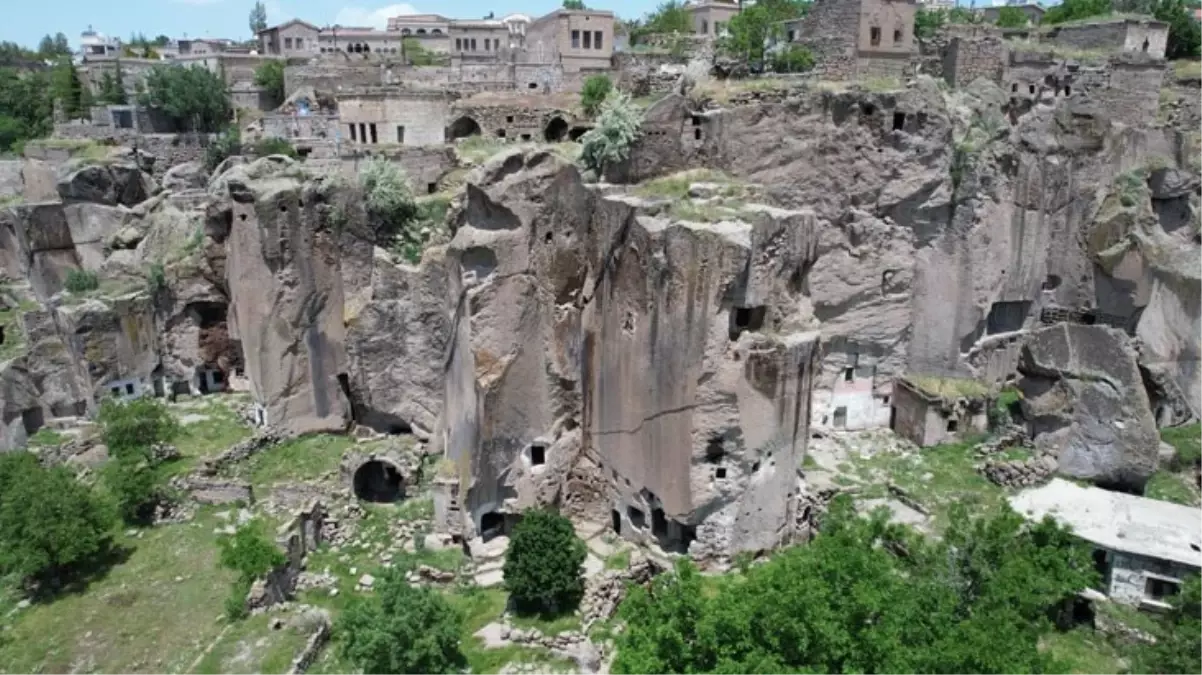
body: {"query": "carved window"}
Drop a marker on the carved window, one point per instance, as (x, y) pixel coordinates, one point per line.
(874, 36)
(596, 39)
(575, 39)
(897, 36)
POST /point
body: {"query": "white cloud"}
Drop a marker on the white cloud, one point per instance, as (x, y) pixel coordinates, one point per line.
(375, 18)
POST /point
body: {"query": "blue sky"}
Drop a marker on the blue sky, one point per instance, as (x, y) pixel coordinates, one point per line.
(26, 21)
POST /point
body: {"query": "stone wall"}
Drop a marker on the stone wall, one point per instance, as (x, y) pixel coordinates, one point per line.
(425, 166)
(328, 76)
(524, 119)
(1133, 94)
(299, 126)
(1130, 35)
(974, 52)
(10, 178)
(168, 149)
(1129, 574)
(830, 31)
(406, 117)
(882, 66)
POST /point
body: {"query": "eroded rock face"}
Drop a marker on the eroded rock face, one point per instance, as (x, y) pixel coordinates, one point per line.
(1084, 399)
(665, 358)
(111, 182)
(286, 296)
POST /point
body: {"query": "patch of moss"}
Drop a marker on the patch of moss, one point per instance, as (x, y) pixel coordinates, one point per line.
(948, 387)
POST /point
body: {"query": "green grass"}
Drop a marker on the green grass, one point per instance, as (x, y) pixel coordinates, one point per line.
(1084, 650)
(1171, 487)
(47, 438)
(1129, 616)
(205, 438)
(1187, 440)
(937, 477)
(305, 458)
(676, 186)
(479, 149)
(137, 618)
(548, 625)
(11, 200)
(481, 606)
(949, 387)
(251, 646)
(1185, 69)
(618, 561)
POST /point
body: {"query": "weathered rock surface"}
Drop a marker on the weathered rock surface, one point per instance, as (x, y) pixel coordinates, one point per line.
(110, 182)
(1084, 399)
(286, 296)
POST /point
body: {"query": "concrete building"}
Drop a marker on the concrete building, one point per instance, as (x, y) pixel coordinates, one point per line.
(1141, 35)
(1143, 547)
(485, 39)
(858, 38)
(577, 39)
(294, 38)
(432, 31)
(711, 17)
(93, 44)
(933, 410)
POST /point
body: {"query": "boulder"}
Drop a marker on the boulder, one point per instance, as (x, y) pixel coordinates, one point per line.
(1084, 399)
(111, 183)
(186, 176)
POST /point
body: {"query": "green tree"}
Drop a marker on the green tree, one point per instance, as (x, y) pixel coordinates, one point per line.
(417, 55)
(544, 564)
(52, 527)
(1185, 38)
(134, 487)
(270, 76)
(610, 140)
(596, 88)
(131, 429)
(792, 59)
(751, 29)
(193, 96)
(66, 87)
(391, 209)
(867, 596)
(574, 4)
(927, 22)
(1011, 17)
(251, 554)
(1178, 647)
(13, 54)
(1073, 10)
(258, 18)
(401, 629)
(46, 48)
(25, 107)
(670, 17)
(112, 86)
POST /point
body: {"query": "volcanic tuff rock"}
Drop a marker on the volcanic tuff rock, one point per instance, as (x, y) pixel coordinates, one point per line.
(1083, 398)
(111, 182)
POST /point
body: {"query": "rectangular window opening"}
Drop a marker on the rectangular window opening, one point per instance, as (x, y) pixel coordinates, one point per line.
(849, 374)
(875, 36)
(372, 127)
(575, 39)
(400, 134)
(538, 455)
(596, 39)
(840, 421)
(588, 39)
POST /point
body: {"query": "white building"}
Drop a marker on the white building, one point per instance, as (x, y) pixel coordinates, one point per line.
(1143, 547)
(92, 43)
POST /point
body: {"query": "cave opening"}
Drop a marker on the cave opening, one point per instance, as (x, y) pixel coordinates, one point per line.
(379, 482)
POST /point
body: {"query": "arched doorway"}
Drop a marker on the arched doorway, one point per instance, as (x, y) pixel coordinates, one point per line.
(556, 131)
(462, 128)
(379, 482)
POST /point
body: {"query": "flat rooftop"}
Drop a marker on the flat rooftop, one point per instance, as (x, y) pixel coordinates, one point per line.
(1118, 521)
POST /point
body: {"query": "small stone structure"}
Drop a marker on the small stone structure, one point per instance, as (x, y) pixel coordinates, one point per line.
(857, 38)
(933, 410)
(387, 476)
(298, 537)
(1143, 547)
(1140, 35)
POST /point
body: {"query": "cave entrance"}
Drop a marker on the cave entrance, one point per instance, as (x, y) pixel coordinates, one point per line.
(378, 482)
(576, 132)
(462, 128)
(556, 131)
(494, 524)
(615, 520)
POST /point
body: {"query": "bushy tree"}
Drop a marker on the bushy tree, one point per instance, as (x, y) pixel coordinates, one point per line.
(544, 564)
(258, 17)
(66, 87)
(1073, 10)
(751, 29)
(401, 629)
(866, 596)
(226, 145)
(251, 554)
(25, 107)
(793, 59)
(132, 428)
(134, 488)
(270, 76)
(1178, 647)
(669, 17)
(609, 141)
(193, 96)
(1011, 17)
(1185, 37)
(417, 55)
(391, 209)
(81, 281)
(596, 88)
(574, 4)
(52, 527)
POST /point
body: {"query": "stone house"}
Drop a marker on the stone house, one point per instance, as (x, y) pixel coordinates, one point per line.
(432, 31)
(1032, 11)
(711, 17)
(396, 117)
(854, 402)
(1141, 35)
(294, 38)
(857, 38)
(1143, 548)
(359, 40)
(577, 39)
(482, 40)
(933, 410)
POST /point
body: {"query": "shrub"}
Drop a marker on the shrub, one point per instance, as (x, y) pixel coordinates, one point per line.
(593, 94)
(270, 76)
(222, 148)
(134, 487)
(616, 129)
(81, 281)
(1177, 648)
(275, 146)
(156, 279)
(391, 208)
(543, 564)
(401, 629)
(794, 59)
(130, 429)
(51, 526)
(249, 552)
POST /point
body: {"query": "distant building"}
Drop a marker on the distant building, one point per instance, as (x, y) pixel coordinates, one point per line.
(1143, 548)
(711, 17)
(577, 39)
(1033, 12)
(93, 44)
(933, 410)
(1144, 35)
(853, 38)
(293, 38)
